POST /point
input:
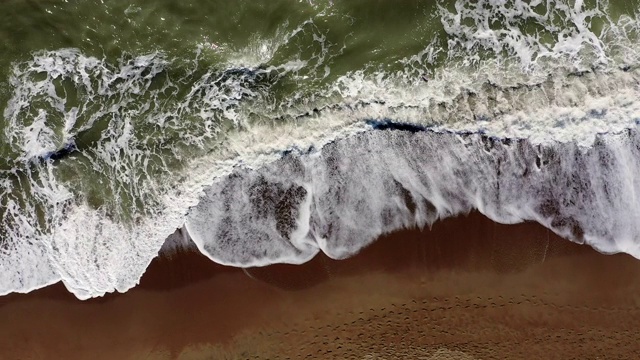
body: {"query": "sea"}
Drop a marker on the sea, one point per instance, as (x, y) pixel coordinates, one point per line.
(265, 132)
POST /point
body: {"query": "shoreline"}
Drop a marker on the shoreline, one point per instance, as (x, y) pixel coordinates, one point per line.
(449, 291)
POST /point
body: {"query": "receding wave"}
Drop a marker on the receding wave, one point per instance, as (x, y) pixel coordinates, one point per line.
(314, 136)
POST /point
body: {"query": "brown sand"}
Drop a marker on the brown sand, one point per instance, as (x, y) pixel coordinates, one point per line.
(468, 289)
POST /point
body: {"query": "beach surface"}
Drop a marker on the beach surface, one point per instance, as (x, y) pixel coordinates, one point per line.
(466, 289)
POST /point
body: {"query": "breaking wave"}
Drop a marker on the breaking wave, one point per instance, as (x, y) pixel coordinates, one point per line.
(342, 198)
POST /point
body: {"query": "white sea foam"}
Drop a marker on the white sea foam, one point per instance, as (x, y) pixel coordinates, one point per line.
(92, 249)
(95, 249)
(360, 185)
(380, 181)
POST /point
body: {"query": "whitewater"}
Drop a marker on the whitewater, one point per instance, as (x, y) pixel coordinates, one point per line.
(313, 136)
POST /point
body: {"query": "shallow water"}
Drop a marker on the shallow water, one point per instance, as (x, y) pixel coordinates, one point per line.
(466, 289)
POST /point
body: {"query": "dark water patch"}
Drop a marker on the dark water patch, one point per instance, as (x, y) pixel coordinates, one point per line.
(388, 124)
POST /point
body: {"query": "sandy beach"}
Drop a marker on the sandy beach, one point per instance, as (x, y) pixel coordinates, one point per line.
(466, 289)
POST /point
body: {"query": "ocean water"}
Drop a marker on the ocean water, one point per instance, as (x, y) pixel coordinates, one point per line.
(266, 132)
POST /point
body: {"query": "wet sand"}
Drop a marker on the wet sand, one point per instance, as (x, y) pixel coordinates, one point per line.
(467, 289)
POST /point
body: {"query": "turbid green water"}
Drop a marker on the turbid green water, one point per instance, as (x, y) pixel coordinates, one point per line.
(117, 115)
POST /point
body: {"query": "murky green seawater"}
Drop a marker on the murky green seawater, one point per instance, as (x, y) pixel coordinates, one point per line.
(149, 95)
